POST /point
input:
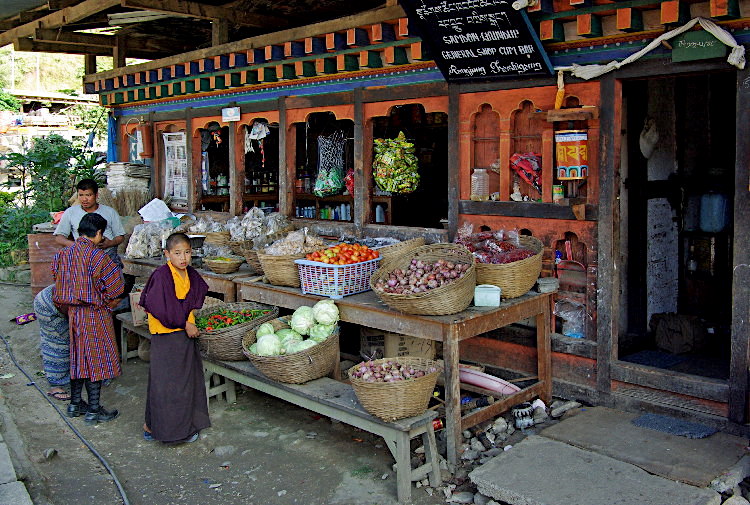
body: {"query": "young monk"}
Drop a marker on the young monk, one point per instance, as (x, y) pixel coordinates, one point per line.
(87, 286)
(176, 408)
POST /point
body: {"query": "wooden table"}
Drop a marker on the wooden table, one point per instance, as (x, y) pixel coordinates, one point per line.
(366, 309)
(218, 283)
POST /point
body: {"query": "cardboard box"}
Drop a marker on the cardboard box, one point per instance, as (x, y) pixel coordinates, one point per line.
(371, 342)
(400, 345)
(140, 317)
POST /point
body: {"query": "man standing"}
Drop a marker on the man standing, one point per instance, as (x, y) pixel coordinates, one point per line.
(87, 286)
(88, 191)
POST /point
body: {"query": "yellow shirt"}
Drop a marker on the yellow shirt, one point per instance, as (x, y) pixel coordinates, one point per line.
(181, 288)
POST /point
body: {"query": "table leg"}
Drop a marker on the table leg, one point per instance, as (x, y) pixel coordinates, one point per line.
(452, 399)
(230, 293)
(123, 344)
(544, 351)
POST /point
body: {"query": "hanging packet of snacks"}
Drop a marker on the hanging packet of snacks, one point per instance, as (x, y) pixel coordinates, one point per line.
(330, 179)
(395, 167)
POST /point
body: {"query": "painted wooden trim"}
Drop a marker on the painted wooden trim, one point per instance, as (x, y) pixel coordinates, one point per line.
(667, 380)
(738, 367)
(361, 193)
(539, 210)
(454, 131)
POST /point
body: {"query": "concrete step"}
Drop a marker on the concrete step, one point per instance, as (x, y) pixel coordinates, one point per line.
(15, 493)
(540, 471)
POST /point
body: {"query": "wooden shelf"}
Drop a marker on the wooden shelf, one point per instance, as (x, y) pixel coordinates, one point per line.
(214, 198)
(260, 196)
(334, 198)
(575, 114)
(525, 209)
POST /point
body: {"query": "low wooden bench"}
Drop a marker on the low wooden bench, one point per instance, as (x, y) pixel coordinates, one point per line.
(127, 326)
(337, 400)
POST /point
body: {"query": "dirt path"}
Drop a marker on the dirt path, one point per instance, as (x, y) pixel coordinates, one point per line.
(259, 451)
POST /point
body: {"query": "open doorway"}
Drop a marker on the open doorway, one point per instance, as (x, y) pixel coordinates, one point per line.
(677, 176)
(428, 204)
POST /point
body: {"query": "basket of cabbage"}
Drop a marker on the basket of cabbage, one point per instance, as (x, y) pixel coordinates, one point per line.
(298, 348)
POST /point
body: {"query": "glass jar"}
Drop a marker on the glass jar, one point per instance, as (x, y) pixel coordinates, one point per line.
(480, 185)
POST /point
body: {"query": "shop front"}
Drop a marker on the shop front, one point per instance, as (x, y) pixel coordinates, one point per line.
(635, 181)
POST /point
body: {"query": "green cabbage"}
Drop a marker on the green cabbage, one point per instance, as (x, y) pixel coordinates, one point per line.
(302, 320)
(253, 348)
(320, 332)
(268, 345)
(326, 312)
(300, 346)
(288, 337)
(264, 329)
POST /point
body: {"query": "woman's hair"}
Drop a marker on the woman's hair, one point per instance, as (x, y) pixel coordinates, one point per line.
(90, 224)
(175, 239)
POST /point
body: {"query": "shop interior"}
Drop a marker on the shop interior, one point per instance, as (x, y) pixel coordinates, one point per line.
(214, 167)
(676, 201)
(327, 143)
(428, 205)
(261, 164)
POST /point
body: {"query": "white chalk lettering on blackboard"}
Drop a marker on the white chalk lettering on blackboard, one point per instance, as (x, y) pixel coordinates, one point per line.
(493, 35)
(455, 23)
(458, 54)
(468, 72)
(514, 66)
(526, 49)
(493, 18)
(461, 38)
(464, 5)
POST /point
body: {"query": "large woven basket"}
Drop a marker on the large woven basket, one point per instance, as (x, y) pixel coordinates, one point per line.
(223, 266)
(238, 246)
(517, 278)
(251, 257)
(226, 343)
(217, 237)
(391, 251)
(297, 368)
(447, 299)
(281, 270)
(396, 400)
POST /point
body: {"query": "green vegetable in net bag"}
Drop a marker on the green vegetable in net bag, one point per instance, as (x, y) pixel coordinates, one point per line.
(395, 167)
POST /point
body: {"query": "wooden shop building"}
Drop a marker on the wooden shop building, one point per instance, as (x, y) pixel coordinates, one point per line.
(660, 225)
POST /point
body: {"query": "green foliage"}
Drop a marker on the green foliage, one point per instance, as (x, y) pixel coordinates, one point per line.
(90, 118)
(90, 166)
(6, 199)
(47, 165)
(9, 102)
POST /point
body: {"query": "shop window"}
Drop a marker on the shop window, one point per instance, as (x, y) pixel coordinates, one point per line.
(214, 167)
(486, 144)
(260, 144)
(324, 155)
(526, 154)
(428, 204)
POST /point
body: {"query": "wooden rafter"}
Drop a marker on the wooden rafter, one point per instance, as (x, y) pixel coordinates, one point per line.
(203, 11)
(57, 19)
(60, 47)
(63, 37)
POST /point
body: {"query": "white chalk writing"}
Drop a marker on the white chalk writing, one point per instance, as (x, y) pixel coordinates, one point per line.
(464, 5)
(468, 72)
(691, 45)
(513, 66)
(494, 35)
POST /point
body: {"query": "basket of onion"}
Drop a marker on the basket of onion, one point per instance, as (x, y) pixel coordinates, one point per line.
(394, 388)
(433, 280)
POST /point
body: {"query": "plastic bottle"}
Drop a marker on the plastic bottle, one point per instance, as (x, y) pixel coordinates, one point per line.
(480, 185)
(379, 214)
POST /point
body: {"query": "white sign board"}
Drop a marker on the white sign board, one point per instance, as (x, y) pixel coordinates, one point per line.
(175, 161)
(230, 114)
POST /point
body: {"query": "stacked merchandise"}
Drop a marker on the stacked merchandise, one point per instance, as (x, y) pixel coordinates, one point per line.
(128, 177)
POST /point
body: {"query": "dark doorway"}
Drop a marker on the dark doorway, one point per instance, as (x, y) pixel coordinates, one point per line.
(676, 216)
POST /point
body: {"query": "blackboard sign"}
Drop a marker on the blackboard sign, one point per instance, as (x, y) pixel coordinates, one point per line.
(478, 40)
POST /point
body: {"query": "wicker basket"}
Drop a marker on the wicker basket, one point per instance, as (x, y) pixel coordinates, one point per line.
(281, 270)
(210, 301)
(517, 278)
(226, 343)
(297, 368)
(224, 267)
(217, 237)
(447, 299)
(251, 256)
(396, 400)
(391, 251)
(238, 246)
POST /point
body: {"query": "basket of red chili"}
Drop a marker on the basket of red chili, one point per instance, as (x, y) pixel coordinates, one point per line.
(223, 326)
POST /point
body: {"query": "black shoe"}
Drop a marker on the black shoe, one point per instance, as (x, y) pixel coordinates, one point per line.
(77, 409)
(100, 416)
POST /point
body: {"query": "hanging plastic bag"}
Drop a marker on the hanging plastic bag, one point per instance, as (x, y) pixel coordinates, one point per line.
(395, 167)
(330, 179)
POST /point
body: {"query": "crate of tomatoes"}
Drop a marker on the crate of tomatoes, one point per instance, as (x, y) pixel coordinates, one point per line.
(338, 271)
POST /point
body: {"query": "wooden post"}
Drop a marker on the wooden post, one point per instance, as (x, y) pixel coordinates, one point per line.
(286, 185)
(118, 52)
(360, 196)
(235, 186)
(193, 181)
(452, 395)
(607, 302)
(453, 159)
(219, 31)
(738, 374)
(89, 64)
